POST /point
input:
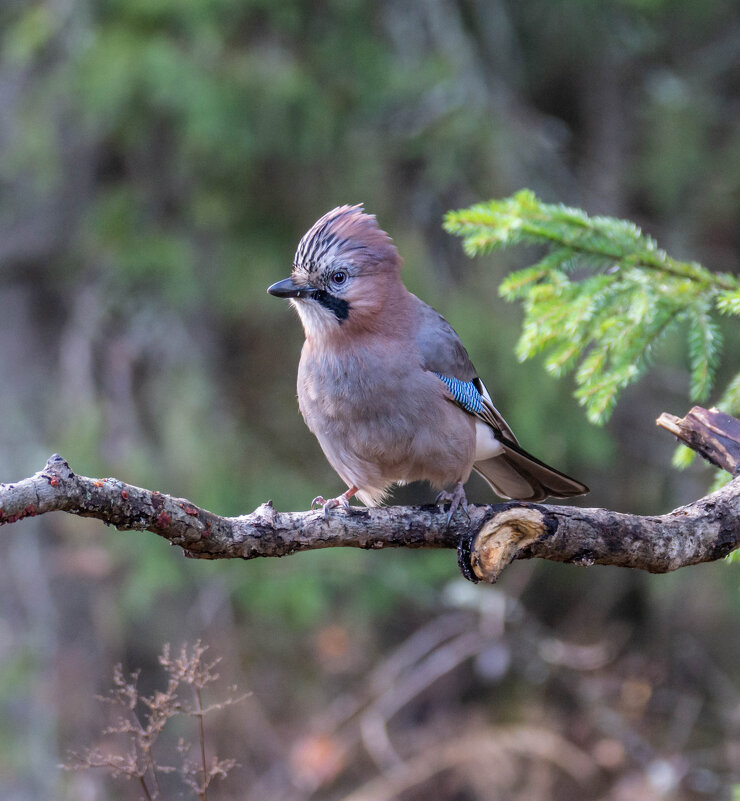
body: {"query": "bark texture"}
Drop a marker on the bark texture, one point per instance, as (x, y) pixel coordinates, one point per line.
(203, 534)
(710, 432)
(488, 539)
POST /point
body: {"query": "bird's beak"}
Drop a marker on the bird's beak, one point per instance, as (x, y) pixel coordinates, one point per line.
(287, 288)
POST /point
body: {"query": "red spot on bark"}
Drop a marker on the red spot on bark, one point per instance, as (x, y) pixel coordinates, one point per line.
(98, 483)
(54, 481)
(206, 532)
(29, 511)
(190, 510)
(124, 495)
(163, 520)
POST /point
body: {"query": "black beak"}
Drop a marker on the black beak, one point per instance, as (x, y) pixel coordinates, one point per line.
(287, 288)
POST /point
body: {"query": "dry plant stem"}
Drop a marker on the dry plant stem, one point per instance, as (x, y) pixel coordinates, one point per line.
(145, 788)
(184, 668)
(487, 540)
(149, 760)
(198, 712)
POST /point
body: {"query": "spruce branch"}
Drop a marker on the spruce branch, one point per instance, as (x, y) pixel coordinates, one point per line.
(602, 297)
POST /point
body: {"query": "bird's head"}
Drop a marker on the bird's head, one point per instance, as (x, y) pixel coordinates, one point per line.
(344, 272)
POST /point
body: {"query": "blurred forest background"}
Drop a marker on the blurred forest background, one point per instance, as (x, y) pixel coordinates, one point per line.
(158, 163)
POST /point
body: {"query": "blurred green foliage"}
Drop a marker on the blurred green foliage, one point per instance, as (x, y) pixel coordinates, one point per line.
(158, 164)
(194, 142)
(187, 145)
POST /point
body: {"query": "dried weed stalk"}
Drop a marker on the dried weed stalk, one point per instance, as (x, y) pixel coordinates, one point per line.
(142, 718)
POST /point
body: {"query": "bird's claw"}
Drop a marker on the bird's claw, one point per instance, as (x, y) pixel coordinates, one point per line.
(333, 503)
(457, 500)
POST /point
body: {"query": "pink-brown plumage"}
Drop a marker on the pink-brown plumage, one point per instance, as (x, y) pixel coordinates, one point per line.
(370, 383)
(375, 426)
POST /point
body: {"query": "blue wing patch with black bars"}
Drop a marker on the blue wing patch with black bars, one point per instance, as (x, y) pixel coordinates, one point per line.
(464, 392)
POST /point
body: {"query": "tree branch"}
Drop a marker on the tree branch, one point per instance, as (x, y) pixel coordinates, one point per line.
(487, 541)
(710, 432)
(203, 534)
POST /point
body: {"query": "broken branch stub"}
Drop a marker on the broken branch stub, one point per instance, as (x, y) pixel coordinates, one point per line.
(702, 531)
(710, 432)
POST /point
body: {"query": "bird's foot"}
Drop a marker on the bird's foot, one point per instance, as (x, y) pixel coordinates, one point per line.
(341, 500)
(457, 500)
(332, 503)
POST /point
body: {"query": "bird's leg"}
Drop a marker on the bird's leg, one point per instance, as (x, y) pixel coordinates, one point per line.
(341, 500)
(457, 500)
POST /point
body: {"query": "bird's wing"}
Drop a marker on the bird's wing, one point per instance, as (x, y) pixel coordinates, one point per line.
(506, 466)
(440, 346)
(444, 354)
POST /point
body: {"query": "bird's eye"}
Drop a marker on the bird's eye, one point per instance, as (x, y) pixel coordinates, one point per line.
(339, 277)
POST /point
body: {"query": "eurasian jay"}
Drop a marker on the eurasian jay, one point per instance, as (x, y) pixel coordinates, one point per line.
(384, 382)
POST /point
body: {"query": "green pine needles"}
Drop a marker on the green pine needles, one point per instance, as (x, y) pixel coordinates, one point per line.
(602, 297)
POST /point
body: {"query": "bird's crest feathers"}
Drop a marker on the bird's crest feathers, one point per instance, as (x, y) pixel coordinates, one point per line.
(346, 233)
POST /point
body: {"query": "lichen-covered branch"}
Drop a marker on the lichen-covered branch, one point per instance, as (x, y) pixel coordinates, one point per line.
(487, 540)
(203, 534)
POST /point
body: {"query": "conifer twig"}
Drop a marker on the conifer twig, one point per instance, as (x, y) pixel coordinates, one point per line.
(602, 298)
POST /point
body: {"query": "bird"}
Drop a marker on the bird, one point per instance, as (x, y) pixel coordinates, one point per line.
(385, 383)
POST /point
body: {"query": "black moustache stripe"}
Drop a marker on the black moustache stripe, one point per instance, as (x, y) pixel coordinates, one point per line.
(339, 307)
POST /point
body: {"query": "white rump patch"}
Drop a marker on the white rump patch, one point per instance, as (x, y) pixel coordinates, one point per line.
(486, 443)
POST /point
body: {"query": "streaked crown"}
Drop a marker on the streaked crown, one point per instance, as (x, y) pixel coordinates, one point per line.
(345, 234)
